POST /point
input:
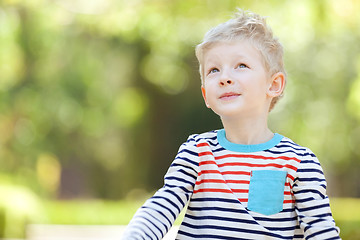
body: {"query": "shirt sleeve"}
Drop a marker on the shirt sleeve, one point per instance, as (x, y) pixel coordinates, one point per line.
(311, 202)
(155, 218)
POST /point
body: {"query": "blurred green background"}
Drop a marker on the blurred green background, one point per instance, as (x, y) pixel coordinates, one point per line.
(96, 96)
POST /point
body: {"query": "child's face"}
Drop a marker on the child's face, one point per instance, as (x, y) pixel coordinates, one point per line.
(235, 81)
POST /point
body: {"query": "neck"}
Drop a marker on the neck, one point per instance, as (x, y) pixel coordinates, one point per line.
(247, 131)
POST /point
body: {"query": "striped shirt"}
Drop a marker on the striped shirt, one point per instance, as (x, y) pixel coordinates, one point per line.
(273, 190)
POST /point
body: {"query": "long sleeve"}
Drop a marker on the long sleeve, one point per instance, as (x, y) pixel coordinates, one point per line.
(154, 219)
(312, 204)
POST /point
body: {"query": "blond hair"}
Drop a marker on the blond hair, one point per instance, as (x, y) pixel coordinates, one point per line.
(246, 26)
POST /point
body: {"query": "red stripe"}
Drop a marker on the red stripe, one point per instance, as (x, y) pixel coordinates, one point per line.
(205, 153)
(244, 155)
(208, 172)
(248, 165)
(224, 173)
(240, 190)
(291, 177)
(222, 181)
(285, 201)
(258, 165)
(213, 190)
(256, 157)
(210, 181)
(287, 184)
(238, 181)
(236, 173)
(221, 190)
(225, 190)
(206, 162)
(202, 145)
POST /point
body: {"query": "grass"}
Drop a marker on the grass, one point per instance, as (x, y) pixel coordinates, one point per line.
(346, 212)
(88, 212)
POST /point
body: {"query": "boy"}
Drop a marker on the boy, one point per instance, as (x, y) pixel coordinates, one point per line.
(243, 181)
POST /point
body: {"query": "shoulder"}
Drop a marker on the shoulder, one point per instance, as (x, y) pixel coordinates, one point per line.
(306, 156)
(210, 136)
(196, 141)
(289, 145)
(189, 151)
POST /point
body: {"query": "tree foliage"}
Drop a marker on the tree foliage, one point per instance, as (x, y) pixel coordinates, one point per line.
(100, 94)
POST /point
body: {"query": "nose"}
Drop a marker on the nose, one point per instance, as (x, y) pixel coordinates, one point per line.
(225, 79)
(226, 82)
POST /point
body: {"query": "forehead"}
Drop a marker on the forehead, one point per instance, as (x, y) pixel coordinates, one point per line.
(226, 51)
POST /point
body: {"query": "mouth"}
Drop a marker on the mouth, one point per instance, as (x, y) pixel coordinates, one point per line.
(229, 96)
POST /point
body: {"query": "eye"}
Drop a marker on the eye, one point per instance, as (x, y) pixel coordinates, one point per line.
(213, 70)
(242, 65)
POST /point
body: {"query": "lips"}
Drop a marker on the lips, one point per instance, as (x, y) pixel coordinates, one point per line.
(229, 96)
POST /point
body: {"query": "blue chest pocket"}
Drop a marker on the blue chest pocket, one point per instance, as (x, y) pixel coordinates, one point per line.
(266, 191)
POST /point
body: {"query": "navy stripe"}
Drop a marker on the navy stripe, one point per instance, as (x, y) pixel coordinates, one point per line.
(292, 228)
(304, 200)
(188, 174)
(224, 219)
(289, 151)
(299, 236)
(153, 223)
(311, 180)
(333, 238)
(188, 152)
(178, 157)
(183, 166)
(218, 150)
(288, 210)
(290, 142)
(317, 221)
(311, 170)
(289, 146)
(168, 209)
(165, 225)
(177, 197)
(309, 162)
(320, 232)
(214, 138)
(310, 191)
(168, 200)
(276, 219)
(192, 139)
(231, 229)
(323, 215)
(240, 211)
(151, 230)
(215, 199)
(214, 144)
(208, 236)
(180, 180)
(220, 209)
(314, 207)
(175, 186)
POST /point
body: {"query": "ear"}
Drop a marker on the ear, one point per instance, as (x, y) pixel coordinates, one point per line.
(204, 96)
(277, 85)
